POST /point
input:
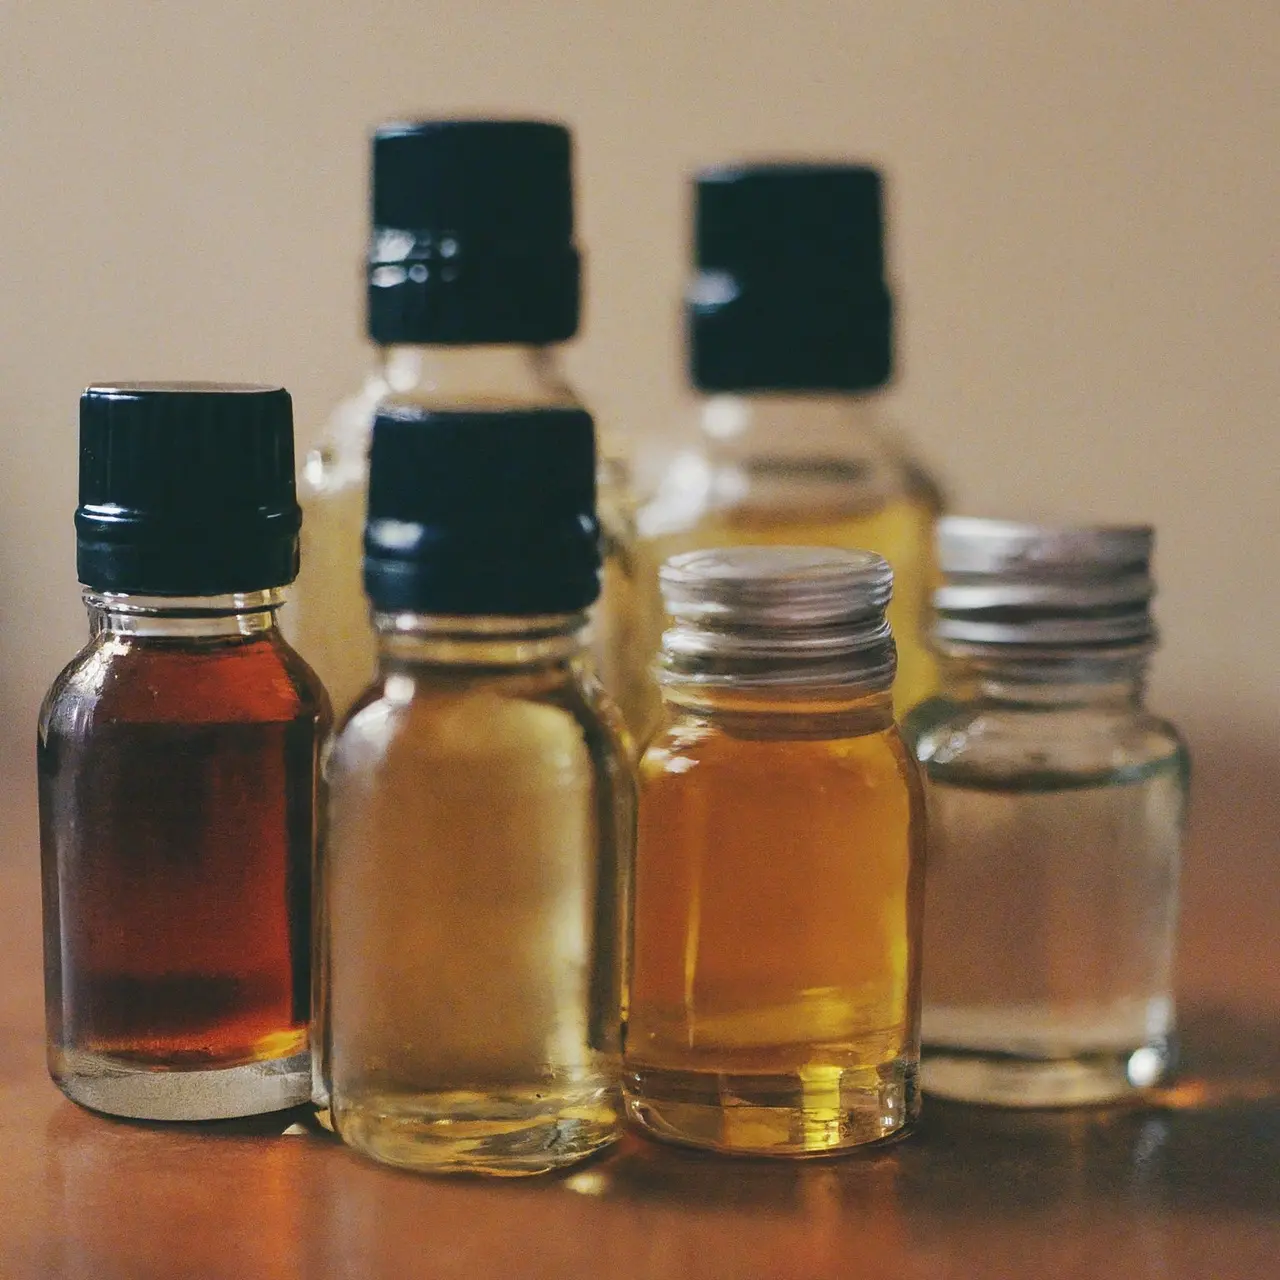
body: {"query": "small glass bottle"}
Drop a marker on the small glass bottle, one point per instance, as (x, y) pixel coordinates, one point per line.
(178, 759)
(790, 340)
(774, 994)
(1056, 808)
(473, 282)
(482, 815)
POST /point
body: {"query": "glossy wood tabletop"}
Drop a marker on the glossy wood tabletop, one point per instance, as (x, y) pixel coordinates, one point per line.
(1186, 1186)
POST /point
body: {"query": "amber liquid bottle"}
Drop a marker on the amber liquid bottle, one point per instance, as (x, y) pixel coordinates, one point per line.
(473, 285)
(481, 814)
(177, 758)
(790, 341)
(775, 992)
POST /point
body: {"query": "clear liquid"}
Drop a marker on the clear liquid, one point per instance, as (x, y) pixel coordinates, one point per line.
(1049, 929)
(473, 897)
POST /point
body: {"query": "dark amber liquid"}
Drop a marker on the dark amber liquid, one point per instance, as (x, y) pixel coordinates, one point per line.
(177, 787)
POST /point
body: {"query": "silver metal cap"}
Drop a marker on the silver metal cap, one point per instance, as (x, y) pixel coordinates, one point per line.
(1041, 586)
(757, 616)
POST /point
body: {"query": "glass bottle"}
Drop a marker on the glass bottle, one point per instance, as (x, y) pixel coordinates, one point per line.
(178, 760)
(473, 281)
(482, 814)
(1056, 807)
(790, 342)
(774, 994)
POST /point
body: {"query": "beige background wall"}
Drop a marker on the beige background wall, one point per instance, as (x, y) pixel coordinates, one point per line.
(1084, 238)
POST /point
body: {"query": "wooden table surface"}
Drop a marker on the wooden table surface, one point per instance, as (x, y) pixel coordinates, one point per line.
(1187, 1186)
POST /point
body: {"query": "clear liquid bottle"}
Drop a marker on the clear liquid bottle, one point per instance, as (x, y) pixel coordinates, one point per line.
(482, 811)
(775, 987)
(473, 281)
(178, 766)
(1056, 807)
(790, 342)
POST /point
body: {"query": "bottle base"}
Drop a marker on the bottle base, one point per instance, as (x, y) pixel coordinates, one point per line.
(119, 1088)
(320, 1096)
(814, 1111)
(512, 1134)
(1007, 1080)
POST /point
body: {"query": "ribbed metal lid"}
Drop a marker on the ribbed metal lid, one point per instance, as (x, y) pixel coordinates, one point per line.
(752, 616)
(1042, 586)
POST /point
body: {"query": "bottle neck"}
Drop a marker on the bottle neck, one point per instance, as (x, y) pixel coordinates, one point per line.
(478, 643)
(251, 613)
(475, 377)
(835, 424)
(1043, 684)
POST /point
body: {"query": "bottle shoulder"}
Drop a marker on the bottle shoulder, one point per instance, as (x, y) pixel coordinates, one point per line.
(76, 682)
(338, 464)
(774, 458)
(688, 746)
(340, 460)
(420, 717)
(119, 679)
(1069, 745)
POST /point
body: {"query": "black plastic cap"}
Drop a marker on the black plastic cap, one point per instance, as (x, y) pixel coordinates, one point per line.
(482, 513)
(790, 291)
(473, 233)
(186, 489)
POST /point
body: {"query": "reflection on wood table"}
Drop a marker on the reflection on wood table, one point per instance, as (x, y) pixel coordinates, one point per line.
(1187, 1186)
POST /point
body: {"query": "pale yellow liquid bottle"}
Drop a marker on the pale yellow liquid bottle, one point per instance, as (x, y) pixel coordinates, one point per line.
(461, 321)
(790, 339)
(481, 811)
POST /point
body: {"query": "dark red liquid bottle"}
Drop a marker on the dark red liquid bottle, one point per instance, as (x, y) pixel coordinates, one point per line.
(178, 763)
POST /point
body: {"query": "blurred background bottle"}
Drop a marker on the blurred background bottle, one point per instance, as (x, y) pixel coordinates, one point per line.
(790, 333)
(473, 280)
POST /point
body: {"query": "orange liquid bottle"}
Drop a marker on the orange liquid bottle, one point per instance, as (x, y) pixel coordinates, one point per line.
(774, 998)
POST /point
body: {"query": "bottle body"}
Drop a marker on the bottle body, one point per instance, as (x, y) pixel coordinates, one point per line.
(1056, 812)
(623, 620)
(819, 469)
(479, 848)
(331, 616)
(774, 1001)
(177, 759)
